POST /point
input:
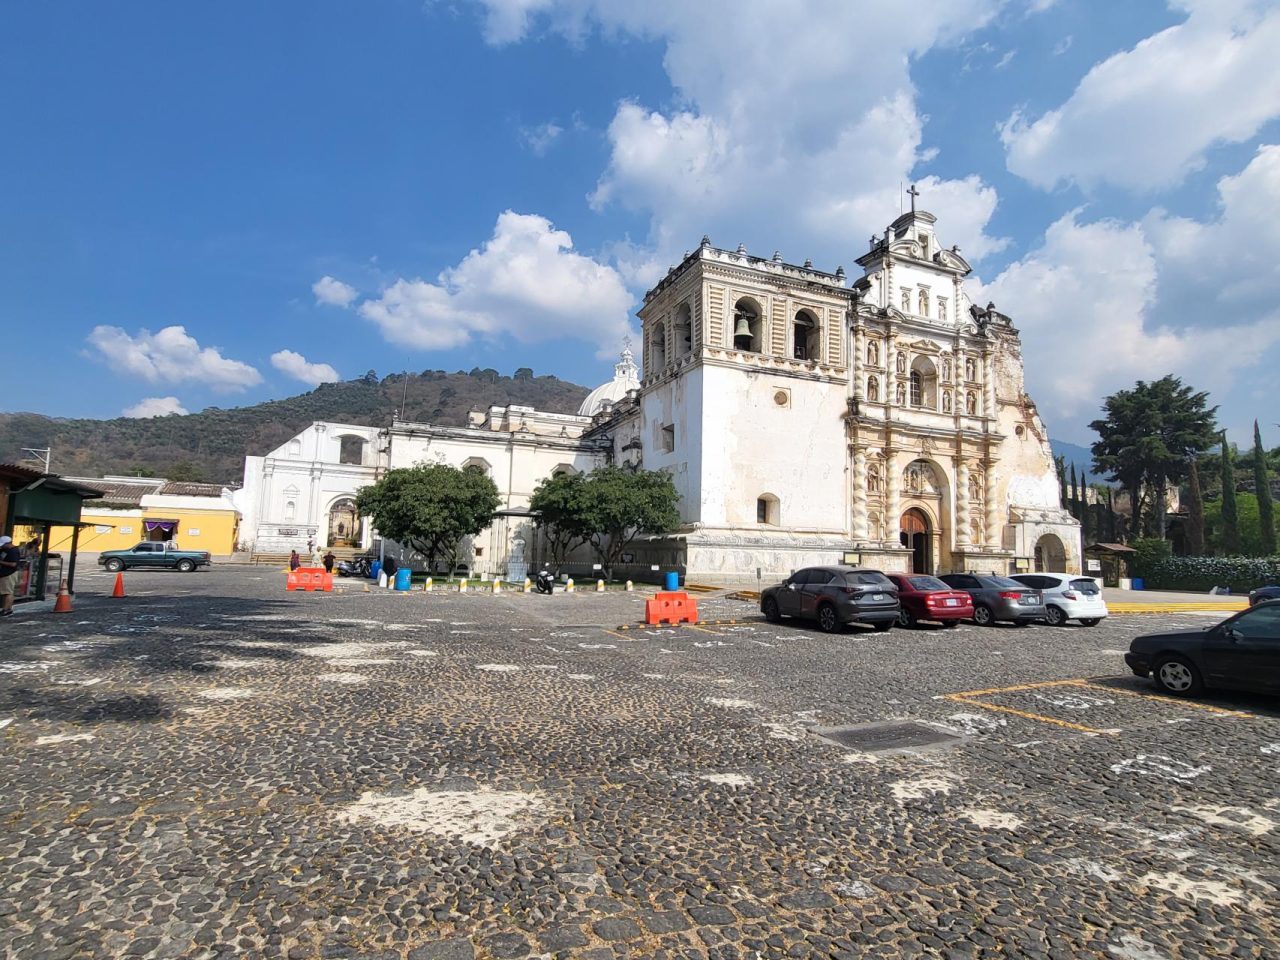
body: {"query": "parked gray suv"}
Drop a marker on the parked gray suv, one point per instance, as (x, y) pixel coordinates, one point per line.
(997, 598)
(834, 596)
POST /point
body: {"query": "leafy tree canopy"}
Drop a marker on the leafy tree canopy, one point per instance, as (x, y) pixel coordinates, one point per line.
(561, 505)
(622, 504)
(430, 507)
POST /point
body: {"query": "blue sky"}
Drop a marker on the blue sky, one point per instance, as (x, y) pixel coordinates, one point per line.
(314, 189)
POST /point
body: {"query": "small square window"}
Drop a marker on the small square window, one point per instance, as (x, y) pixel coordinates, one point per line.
(669, 438)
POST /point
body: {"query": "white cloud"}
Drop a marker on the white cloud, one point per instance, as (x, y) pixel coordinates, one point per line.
(296, 366)
(154, 407)
(780, 136)
(540, 138)
(333, 293)
(170, 356)
(1085, 302)
(525, 282)
(1145, 117)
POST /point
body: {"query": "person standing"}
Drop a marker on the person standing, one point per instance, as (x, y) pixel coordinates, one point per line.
(328, 562)
(10, 569)
(294, 560)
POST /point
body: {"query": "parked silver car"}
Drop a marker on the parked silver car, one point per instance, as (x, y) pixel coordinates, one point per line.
(1067, 597)
(997, 598)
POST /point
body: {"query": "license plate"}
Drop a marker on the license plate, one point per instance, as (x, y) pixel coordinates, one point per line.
(1032, 601)
(877, 596)
(953, 602)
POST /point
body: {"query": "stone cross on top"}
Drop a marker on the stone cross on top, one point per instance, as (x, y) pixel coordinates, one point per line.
(913, 193)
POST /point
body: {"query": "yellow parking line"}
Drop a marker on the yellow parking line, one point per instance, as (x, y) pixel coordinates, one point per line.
(1079, 727)
(693, 626)
(618, 635)
(1094, 685)
(1014, 689)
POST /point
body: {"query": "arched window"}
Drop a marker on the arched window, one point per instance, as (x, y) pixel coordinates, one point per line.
(683, 331)
(563, 470)
(746, 326)
(290, 511)
(806, 341)
(873, 389)
(767, 509)
(350, 449)
(656, 358)
(478, 463)
(924, 384)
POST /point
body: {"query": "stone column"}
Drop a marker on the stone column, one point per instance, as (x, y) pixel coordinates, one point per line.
(962, 501)
(892, 480)
(995, 515)
(989, 383)
(860, 494)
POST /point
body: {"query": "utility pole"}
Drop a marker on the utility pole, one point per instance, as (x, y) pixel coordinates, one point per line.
(40, 455)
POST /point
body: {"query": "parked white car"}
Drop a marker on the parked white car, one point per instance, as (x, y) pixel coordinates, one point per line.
(1067, 597)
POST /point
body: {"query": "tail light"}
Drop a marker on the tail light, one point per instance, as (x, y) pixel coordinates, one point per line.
(1070, 595)
(1010, 595)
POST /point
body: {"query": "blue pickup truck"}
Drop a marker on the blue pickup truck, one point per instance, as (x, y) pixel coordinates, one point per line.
(155, 555)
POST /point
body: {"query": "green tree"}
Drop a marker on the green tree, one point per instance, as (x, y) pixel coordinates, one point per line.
(1249, 529)
(622, 504)
(185, 471)
(1060, 465)
(1230, 541)
(560, 503)
(1262, 490)
(1148, 436)
(431, 508)
(1195, 511)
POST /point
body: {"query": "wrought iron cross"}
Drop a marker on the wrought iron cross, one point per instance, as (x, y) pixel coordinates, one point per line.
(913, 193)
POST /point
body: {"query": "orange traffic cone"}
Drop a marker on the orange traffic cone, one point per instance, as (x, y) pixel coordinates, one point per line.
(63, 603)
(119, 588)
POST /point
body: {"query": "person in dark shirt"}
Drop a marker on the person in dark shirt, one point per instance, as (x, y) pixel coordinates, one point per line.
(328, 561)
(10, 568)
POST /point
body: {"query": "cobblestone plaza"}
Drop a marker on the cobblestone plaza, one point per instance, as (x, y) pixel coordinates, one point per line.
(212, 767)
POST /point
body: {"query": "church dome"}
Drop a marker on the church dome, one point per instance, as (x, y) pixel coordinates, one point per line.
(625, 377)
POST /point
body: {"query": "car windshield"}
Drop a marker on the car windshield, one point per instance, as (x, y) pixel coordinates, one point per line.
(1003, 583)
(869, 577)
(928, 583)
(1085, 586)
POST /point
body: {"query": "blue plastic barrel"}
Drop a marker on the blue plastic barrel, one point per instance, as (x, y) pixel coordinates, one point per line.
(671, 581)
(403, 577)
(1139, 583)
(375, 568)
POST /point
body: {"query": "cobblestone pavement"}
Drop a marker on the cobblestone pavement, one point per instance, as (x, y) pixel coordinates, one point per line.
(213, 767)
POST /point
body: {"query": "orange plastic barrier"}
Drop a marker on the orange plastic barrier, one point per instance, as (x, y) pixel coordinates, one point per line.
(309, 579)
(675, 607)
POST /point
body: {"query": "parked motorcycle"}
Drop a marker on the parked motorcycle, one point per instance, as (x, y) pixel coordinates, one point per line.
(359, 567)
(544, 582)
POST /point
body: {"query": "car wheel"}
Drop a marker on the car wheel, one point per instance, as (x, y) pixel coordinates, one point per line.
(1055, 616)
(186, 566)
(906, 618)
(827, 619)
(770, 610)
(1177, 676)
(983, 616)
(883, 626)
(1091, 621)
(115, 564)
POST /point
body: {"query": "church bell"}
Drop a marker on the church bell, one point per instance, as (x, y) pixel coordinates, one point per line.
(741, 326)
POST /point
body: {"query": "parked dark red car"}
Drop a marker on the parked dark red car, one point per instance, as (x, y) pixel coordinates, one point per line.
(928, 598)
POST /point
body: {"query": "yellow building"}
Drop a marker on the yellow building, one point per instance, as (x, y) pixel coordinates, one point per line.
(197, 516)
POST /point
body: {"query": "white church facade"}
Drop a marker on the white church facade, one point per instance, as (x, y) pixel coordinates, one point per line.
(804, 420)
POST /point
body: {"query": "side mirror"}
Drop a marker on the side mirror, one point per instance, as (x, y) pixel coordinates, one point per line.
(1234, 635)
(790, 585)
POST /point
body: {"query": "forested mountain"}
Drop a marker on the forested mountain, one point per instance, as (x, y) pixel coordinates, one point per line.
(211, 445)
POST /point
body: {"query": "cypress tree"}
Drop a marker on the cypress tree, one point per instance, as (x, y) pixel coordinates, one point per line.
(1113, 526)
(1262, 488)
(1075, 494)
(1230, 516)
(1195, 511)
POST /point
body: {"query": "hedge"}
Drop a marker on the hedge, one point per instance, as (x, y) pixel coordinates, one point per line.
(1241, 574)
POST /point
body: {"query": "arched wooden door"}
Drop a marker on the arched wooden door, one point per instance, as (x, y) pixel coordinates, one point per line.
(915, 536)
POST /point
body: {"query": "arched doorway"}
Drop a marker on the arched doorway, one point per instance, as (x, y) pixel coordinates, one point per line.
(1051, 556)
(915, 536)
(344, 524)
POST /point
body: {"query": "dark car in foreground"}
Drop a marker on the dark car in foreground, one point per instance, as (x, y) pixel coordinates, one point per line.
(1269, 592)
(834, 596)
(1241, 653)
(997, 598)
(928, 598)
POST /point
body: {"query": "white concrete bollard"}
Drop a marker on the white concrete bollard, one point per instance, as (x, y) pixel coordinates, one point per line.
(568, 585)
(382, 578)
(599, 586)
(426, 585)
(497, 585)
(630, 586)
(462, 586)
(528, 585)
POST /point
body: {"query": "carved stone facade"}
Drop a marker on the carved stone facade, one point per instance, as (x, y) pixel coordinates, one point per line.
(805, 420)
